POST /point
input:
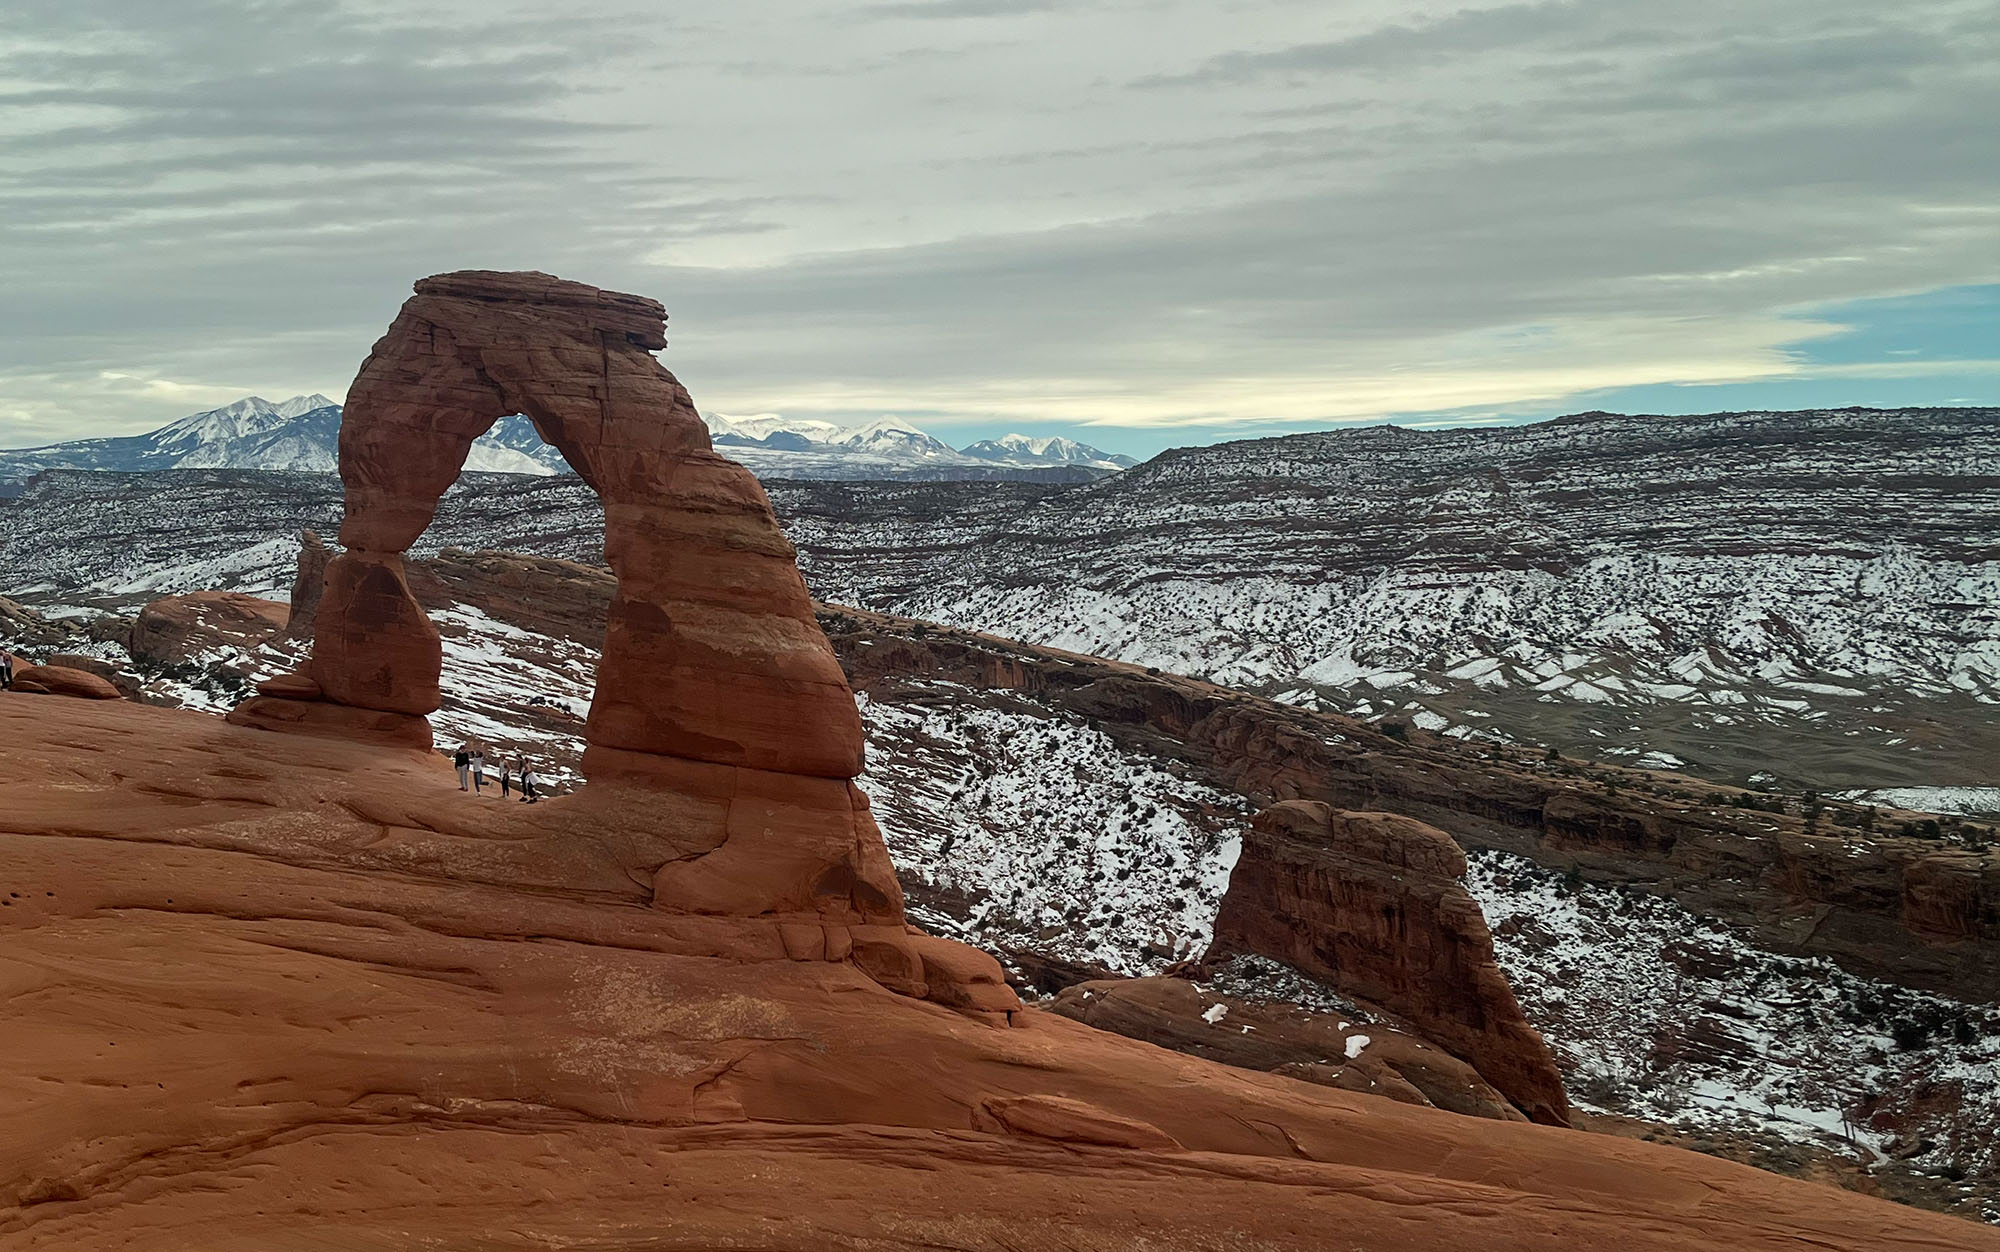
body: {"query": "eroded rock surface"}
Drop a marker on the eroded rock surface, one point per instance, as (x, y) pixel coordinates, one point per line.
(62, 680)
(1341, 1050)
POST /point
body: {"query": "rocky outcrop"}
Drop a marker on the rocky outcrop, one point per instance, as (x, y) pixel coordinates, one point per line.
(308, 586)
(127, 682)
(1332, 1049)
(1374, 904)
(28, 630)
(281, 992)
(61, 680)
(179, 629)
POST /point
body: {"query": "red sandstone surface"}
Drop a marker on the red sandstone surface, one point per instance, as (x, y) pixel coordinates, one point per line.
(275, 991)
(63, 680)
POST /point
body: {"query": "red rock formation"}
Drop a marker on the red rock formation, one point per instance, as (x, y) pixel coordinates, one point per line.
(1374, 904)
(308, 586)
(290, 992)
(61, 680)
(711, 651)
(175, 630)
(717, 693)
(126, 682)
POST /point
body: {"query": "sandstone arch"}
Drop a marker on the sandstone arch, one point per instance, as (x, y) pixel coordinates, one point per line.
(711, 650)
(717, 693)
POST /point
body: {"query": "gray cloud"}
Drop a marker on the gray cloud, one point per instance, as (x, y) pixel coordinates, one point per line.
(960, 8)
(855, 217)
(1387, 49)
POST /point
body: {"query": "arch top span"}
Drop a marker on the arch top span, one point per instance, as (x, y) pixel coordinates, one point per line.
(712, 653)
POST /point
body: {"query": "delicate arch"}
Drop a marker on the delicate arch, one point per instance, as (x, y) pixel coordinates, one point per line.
(711, 650)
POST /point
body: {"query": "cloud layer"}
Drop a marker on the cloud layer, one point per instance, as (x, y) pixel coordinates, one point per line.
(1131, 214)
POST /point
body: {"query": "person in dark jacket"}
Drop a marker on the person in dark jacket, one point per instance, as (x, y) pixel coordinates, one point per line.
(462, 761)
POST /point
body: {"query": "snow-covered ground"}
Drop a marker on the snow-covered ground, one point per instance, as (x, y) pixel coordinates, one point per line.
(1965, 801)
(1660, 1014)
(523, 693)
(1058, 840)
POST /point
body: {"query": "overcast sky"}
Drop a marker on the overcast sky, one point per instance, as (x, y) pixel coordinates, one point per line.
(1142, 223)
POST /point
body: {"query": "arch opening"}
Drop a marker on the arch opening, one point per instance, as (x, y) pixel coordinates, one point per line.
(711, 651)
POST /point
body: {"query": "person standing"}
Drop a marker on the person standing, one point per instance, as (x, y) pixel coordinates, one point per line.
(478, 773)
(462, 759)
(506, 776)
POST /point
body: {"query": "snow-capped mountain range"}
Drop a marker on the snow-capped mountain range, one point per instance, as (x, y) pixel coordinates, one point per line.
(300, 434)
(303, 433)
(780, 447)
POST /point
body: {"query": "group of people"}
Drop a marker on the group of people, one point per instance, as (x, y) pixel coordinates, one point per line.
(471, 765)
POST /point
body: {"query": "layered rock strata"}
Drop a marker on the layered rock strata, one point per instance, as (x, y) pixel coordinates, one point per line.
(1375, 905)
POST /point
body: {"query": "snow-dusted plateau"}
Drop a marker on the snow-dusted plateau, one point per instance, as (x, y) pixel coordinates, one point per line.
(1804, 600)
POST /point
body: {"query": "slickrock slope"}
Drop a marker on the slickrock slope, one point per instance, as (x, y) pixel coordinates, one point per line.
(272, 991)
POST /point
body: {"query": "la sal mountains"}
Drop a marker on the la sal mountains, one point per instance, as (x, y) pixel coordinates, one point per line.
(302, 434)
(779, 447)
